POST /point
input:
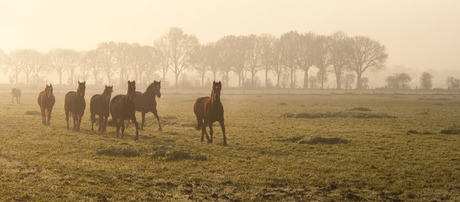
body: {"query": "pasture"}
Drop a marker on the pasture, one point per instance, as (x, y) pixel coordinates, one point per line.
(280, 147)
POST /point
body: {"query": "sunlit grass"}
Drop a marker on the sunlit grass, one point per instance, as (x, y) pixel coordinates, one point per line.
(270, 156)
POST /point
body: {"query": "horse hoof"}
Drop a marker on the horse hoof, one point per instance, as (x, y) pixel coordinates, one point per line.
(160, 129)
(225, 144)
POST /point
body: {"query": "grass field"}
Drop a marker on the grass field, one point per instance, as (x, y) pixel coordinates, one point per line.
(290, 147)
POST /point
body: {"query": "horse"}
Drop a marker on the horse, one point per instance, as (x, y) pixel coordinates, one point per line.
(16, 92)
(46, 102)
(209, 110)
(122, 108)
(145, 102)
(75, 104)
(99, 105)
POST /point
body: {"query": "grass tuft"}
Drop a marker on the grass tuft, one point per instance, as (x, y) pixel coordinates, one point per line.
(454, 129)
(324, 140)
(32, 112)
(288, 115)
(360, 109)
(119, 151)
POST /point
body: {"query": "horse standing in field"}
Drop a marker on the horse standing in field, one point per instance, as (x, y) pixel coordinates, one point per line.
(75, 104)
(99, 105)
(145, 102)
(122, 108)
(209, 110)
(46, 101)
(16, 92)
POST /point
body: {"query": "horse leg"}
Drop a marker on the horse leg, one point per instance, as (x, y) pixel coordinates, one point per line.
(143, 120)
(117, 124)
(222, 126)
(104, 126)
(79, 121)
(75, 119)
(133, 119)
(122, 127)
(93, 119)
(155, 113)
(43, 116)
(210, 131)
(67, 118)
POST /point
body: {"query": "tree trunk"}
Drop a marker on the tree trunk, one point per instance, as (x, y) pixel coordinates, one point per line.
(358, 81)
(202, 79)
(292, 78)
(337, 77)
(95, 78)
(252, 80)
(60, 78)
(278, 79)
(266, 78)
(305, 80)
(177, 80)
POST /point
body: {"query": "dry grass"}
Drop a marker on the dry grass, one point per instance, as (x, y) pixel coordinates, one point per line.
(378, 159)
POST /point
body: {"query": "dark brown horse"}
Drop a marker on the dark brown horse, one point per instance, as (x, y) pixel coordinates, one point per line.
(209, 110)
(99, 105)
(16, 92)
(145, 102)
(75, 104)
(122, 108)
(46, 101)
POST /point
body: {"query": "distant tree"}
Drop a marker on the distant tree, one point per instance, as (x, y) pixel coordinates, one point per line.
(227, 50)
(453, 83)
(253, 56)
(426, 80)
(321, 59)
(242, 46)
(90, 62)
(339, 49)
(4, 61)
(123, 56)
(41, 64)
(160, 60)
(143, 62)
(348, 80)
(106, 59)
(203, 60)
(398, 81)
(308, 51)
(365, 83)
(269, 57)
(366, 54)
(63, 60)
(26, 61)
(177, 48)
(290, 53)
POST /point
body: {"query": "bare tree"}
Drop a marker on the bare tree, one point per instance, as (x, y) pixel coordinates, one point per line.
(241, 47)
(339, 49)
(321, 59)
(348, 80)
(426, 80)
(90, 62)
(290, 50)
(63, 60)
(253, 56)
(41, 65)
(308, 51)
(177, 48)
(161, 60)
(25, 60)
(366, 54)
(269, 57)
(124, 59)
(148, 64)
(226, 49)
(4, 61)
(203, 60)
(106, 59)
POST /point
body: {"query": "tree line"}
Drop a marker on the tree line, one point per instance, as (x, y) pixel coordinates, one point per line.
(347, 58)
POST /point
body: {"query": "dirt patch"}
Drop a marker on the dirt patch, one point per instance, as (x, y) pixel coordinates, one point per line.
(361, 115)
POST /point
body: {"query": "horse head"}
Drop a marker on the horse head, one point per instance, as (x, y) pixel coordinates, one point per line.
(216, 87)
(108, 92)
(131, 90)
(155, 88)
(81, 88)
(49, 91)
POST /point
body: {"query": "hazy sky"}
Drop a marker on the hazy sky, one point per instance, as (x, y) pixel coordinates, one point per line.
(421, 34)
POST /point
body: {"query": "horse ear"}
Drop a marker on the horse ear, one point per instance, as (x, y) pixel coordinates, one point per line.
(220, 83)
(84, 82)
(213, 82)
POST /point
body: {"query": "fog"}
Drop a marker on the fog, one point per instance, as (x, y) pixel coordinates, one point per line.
(419, 35)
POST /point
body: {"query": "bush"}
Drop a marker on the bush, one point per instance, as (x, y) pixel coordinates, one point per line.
(323, 140)
(454, 129)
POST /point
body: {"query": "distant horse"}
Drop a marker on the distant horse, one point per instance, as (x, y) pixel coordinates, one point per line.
(99, 105)
(16, 92)
(122, 108)
(75, 104)
(209, 110)
(145, 102)
(46, 101)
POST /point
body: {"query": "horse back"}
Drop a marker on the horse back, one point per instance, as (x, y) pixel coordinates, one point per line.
(143, 103)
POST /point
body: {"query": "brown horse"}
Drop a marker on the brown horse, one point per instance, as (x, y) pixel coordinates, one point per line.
(16, 92)
(46, 101)
(122, 108)
(99, 105)
(75, 104)
(145, 102)
(209, 110)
